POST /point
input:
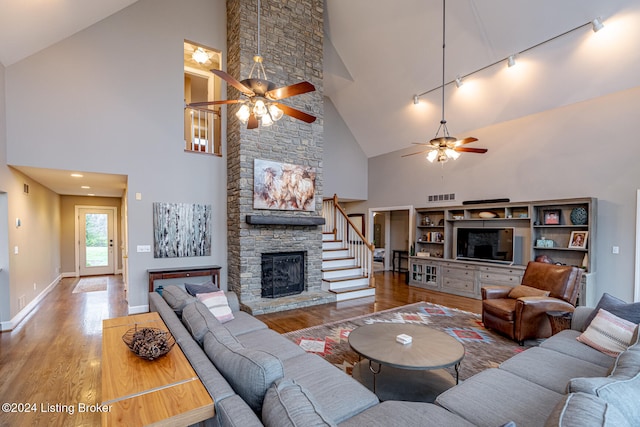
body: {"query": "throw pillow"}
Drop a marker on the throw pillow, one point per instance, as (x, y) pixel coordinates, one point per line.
(176, 298)
(288, 404)
(616, 306)
(217, 303)
(608, 333)
(527, 291)
(201, 288)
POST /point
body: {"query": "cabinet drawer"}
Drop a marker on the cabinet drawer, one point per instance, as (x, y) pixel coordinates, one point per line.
(459, 284)
(459, 273)
(489, 278)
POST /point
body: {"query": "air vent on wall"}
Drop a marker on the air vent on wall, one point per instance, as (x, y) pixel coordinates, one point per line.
(442, 197)
(25, 188)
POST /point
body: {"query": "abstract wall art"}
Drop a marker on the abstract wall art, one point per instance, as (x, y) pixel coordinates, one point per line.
(181, 230)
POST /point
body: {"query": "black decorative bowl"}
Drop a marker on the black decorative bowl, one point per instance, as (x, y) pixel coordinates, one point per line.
(148, 343)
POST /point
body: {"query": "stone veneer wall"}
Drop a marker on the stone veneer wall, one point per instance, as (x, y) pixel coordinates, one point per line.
(292, 46)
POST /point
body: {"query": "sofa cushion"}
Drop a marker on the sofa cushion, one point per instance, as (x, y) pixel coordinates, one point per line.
(217, 303)
(200, 288)
(250, 372)
(565, 342)
(555, 372)
(527, 291)
(608, 333)
(272, 342)
(198, 320)
(503, 308)
(620, 389)
(582, 409)
(405, 414)
(288, 404)
(329, 386)
(617, 307)
(494, 397)
(176, 298)
(243, 323)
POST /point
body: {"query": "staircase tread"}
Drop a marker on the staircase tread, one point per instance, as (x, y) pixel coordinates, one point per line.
(346, 267)
(342, 258)
(351, 289)
(335, 249)
(345, 278)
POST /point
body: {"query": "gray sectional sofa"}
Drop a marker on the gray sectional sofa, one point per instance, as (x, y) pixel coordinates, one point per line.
(257, 377)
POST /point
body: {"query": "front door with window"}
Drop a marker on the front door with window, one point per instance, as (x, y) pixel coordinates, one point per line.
(96, 241)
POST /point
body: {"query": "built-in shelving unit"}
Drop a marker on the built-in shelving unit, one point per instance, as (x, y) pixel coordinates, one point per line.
(563, 231)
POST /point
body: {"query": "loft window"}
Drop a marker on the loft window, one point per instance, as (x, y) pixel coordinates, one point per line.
(201, 128)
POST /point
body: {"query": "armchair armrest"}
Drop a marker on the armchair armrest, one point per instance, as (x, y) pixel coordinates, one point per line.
(531, 316)
(542, 305)
(495, 291)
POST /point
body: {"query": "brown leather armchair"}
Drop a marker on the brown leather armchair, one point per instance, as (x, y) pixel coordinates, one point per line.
(525, 317)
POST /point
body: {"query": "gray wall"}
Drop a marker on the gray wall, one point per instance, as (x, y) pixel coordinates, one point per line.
(584, 149)
(110, 99)
(346, 166)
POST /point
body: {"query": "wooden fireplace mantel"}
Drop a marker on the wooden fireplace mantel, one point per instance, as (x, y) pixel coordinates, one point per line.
(172, 273)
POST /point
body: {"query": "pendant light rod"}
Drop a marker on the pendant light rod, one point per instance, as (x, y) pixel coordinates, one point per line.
(259, 28)
(443, 121)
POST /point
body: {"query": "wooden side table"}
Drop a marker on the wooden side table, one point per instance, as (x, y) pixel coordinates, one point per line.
(559, 320)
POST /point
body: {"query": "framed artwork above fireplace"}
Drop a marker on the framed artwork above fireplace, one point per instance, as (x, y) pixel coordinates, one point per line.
(283, 186)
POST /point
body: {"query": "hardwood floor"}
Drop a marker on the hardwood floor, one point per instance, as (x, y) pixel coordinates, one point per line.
(391, 291)
(53, 357)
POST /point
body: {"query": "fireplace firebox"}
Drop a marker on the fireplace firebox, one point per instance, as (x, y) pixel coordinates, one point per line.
(282, 274)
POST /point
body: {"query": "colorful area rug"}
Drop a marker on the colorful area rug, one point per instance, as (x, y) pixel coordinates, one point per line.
(91, 284)
(483, 348)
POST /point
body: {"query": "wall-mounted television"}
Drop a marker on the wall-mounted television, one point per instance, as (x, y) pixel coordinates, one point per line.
(486, 244)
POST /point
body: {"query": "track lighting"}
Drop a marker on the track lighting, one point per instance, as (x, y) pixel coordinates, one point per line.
(459, 81)
(597, 25)
(511, 61)
(416, 99)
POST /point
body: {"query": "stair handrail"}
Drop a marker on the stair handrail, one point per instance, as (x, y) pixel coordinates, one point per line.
(338, 222)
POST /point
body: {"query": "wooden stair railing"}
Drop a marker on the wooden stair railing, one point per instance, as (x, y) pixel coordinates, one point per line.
(338, 223)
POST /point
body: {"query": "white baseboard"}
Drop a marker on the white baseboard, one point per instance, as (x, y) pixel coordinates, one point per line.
(10, 325)
(139, 309)
(69, 274)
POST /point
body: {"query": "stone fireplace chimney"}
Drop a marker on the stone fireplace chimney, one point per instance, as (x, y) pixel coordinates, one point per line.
(292, 48)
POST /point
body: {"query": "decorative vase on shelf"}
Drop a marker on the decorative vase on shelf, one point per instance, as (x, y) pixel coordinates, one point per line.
(578, 216)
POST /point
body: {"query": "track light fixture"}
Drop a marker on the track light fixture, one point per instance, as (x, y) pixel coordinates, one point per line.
(597, 25)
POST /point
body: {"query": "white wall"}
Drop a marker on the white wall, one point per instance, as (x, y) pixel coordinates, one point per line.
(585, 149)
(110, 99)
(345, 164)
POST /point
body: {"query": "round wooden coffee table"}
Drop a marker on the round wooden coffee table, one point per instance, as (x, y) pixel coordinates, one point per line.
(395, 364)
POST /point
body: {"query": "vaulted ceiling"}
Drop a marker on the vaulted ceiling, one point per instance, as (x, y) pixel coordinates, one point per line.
(379, 54)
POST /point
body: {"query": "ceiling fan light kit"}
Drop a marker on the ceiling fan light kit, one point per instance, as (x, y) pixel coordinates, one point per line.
(259, 102)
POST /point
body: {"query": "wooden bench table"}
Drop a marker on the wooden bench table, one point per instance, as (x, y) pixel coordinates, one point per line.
(139, 392)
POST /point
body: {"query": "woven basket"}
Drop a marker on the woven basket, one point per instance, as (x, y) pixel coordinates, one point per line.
(148, 343)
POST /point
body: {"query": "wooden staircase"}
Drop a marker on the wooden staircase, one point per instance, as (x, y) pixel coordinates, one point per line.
(346, 265)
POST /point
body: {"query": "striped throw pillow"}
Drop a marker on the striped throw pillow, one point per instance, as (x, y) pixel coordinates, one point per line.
(608, 333)
(217, 303)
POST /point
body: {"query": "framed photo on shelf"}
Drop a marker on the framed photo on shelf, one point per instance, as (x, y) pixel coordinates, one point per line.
(578, 239)
(551, 217)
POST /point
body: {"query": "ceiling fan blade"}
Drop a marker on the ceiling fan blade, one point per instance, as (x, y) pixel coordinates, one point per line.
(466, 140)
(233, 82)
(297, 114)
(287, 91)
(470, 150)
(204, 104)
(253, 122)
(413, 154)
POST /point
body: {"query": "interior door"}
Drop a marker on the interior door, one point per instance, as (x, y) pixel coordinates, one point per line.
(96, 241)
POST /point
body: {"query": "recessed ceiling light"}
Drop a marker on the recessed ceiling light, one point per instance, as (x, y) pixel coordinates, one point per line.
(76, 175)
(90, 194)
(85, 187)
